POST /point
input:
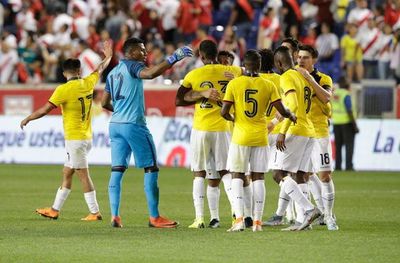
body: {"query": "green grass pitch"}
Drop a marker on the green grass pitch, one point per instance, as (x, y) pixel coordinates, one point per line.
(367, 207)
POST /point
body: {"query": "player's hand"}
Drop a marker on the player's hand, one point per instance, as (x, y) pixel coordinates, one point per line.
(280, 142)
(180, 54)
(23, 123)
(304, 73)
(270, 127)
(229, 75)
(211, 94)
(107, 49)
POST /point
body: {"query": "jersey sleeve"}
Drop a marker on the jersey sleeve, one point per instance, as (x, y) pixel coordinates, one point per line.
(58, 96)
(229, 92)
(135, 68)
(92, 79)
(275, 95)
(187, 81)
(326, 81)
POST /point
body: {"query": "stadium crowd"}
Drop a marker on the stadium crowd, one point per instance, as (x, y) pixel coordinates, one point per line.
(358, 38)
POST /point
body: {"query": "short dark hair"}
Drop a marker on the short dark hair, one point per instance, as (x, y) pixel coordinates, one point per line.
(209, 49)
(309, 49)
(252, 57)
(267, 59)
(226, 53)
(284, 55)
(294, 43)
(71, 65)
(131, 43)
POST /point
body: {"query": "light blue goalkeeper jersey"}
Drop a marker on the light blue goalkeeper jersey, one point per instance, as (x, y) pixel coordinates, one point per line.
(126, 89)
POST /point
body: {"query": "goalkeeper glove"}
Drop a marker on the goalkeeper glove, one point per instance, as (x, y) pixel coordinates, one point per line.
(180, 54)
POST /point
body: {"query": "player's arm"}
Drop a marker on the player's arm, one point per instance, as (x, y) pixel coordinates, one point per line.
(226, 106)
(39, 113)
(292, 104)
(324, 94)
(283, 111)
(108, 53)
(106, 101)
(157, 70)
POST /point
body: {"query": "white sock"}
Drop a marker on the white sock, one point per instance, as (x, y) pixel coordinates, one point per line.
(316, 189)
(91, 201)
(293, 190)
(213, 201)
(328, 197)
(227, 180)
(237, 190)
(259, 199)
(61, 196)
(198, 196)
(299, 210)
(290, 210)
(283, 201)
(248, 200)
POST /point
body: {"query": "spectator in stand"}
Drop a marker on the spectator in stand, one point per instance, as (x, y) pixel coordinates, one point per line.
(268, 30)
(31, 57)
(242, 15)
(338, 9)
(360, 15)
(368, 40)
(201, 34)
(311, 36)
(230, 43)
(8, 58)
(88, 58)
(205, 15)
(94, 37)
(188, 20)
(385, 41)
(124, 35)
(168, 13)
(309, 13)
(327, 44)
(114, 21)
(351, 54)
(291, 15)
(395, 55)
(392, 12)
(80, 23)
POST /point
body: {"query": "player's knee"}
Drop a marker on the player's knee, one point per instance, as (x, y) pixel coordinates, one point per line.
(214, 182)
(277, 176)
(325, 177)
(151, 169)
(118, 169)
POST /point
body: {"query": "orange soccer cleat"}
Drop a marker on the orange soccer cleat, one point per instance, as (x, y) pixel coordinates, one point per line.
(116, 222)
(162, 222)
(93, 217)
(48, 212)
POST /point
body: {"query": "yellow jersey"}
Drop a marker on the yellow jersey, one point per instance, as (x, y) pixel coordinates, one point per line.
(207, 115)
(349, 45)
(292, 80)
(75, 98)
(321, 112)
(275, 78)
(250, 97)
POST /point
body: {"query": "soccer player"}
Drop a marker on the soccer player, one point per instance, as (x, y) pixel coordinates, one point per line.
(210, 135)
(321, 111)
(129, 134)
(225, 57)
(294, 142)
(75, 98)
(250, 95)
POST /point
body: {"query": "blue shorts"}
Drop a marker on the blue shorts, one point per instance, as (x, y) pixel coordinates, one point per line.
(127, 138)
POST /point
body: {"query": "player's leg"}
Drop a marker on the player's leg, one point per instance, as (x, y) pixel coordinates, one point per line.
(144, 151)
(248, 200)
(213, 194)
(120, 156)
(314, 182)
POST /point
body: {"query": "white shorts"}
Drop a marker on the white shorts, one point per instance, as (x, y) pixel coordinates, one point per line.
(209, 151)
(322, 155)
(77, 153)
(297, 155)
(243, 159)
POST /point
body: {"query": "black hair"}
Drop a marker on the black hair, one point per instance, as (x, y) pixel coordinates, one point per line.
(252, 58)
(209, 49)
(226, 53)
(283, 54)
(130, 44)
(294, 43)
(309, 49)
(267, 60)
(71, 65)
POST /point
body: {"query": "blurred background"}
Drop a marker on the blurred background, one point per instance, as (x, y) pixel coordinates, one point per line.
(357, 39)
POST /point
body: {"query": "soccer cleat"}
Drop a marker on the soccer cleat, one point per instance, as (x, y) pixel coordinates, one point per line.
(214, 223)
(93, 217)
(116, 222)
(198, 223)
(309, 217)
(257, 226)
(162, 222)
(320, 221)
(237, 226)
(48, 212)
(331, 224)
(295, 227)
(274, 220)
(233, 218)
(248, 222)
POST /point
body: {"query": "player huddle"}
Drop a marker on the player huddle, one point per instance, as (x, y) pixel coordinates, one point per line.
(246, 121)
